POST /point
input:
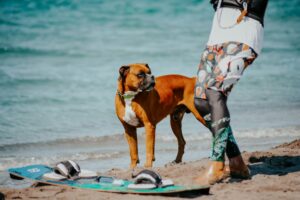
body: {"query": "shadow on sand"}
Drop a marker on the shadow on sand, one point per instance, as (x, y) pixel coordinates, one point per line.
(274, 165)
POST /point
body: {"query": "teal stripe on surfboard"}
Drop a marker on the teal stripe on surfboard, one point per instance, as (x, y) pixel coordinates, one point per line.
(125, 190)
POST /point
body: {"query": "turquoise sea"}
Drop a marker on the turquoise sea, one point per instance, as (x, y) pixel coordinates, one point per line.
(59, 62)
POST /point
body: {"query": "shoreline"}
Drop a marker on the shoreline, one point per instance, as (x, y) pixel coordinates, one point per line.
(275, 175)
(104, 152)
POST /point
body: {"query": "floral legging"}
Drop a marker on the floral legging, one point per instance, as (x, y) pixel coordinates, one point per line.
(220, 68)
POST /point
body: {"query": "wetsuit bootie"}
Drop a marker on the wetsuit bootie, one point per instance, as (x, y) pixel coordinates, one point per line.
(214, 174)
(238, 168)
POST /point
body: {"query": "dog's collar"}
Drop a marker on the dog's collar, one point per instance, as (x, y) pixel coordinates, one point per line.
(127, 94)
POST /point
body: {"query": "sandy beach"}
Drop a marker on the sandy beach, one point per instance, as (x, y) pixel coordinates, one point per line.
(275, 175)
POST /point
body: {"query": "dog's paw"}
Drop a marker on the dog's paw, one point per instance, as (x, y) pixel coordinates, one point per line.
(174, 162)
(148, 165)
(134, 163)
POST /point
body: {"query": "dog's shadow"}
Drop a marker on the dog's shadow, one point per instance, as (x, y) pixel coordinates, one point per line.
(272, 165)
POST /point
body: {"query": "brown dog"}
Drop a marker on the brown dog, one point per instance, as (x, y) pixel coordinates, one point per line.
(142, 100)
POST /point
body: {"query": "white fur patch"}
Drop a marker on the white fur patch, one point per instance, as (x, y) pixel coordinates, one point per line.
(130, 116)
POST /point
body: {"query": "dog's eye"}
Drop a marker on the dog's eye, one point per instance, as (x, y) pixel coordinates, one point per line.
(141, 75)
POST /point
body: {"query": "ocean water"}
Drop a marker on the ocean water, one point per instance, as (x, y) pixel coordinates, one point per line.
(59, 62)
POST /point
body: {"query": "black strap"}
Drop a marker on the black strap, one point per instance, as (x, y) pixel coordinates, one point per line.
(256, 8)
(140, 178)
(71, 170)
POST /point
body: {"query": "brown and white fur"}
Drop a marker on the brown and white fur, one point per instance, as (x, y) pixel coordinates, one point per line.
(143, 101)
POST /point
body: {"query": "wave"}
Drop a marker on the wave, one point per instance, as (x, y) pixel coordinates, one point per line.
(31, 101)
(95, 141)
(117, 138)
(26, 51)
(82, 141)
(9, 81)
(51, 160)
(251, 133)
(8, 22)
(270, 132)
(4, 77)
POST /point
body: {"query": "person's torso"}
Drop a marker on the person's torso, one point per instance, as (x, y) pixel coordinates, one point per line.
(225, 28)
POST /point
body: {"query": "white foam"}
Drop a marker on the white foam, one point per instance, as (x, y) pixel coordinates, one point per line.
(254, 133)
(9, 162)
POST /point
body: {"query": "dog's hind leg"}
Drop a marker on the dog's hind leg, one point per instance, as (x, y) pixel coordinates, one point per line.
(131, 136)
(176, 119)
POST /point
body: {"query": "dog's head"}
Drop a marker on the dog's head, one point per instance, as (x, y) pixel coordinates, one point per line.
(136, 77)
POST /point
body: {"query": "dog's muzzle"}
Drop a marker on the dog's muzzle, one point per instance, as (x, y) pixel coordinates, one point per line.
(150, 83)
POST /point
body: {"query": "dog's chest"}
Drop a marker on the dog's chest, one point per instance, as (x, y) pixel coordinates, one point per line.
(129, 115)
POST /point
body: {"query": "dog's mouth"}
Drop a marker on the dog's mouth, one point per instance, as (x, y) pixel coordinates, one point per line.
(148, 83)
(150, 86)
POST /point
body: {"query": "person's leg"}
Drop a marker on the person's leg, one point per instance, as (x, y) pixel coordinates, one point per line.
(216, 114)
(223, 140)
(237, 166)
(207, 107)
(232, 149)
(220, 68)
(220, 119)
(202, 105)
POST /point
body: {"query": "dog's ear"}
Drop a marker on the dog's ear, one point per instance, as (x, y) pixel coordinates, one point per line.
(146, 65)
(123, 71)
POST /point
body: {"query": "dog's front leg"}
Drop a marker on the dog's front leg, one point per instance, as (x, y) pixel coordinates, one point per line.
(150, 144)
(130, 134)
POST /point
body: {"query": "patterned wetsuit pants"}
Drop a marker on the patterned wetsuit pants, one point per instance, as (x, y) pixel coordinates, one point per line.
(221, 67)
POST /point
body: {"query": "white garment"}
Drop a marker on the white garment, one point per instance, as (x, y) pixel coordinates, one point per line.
(224, 29)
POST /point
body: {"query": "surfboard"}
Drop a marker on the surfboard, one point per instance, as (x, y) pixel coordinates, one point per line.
(36, 172)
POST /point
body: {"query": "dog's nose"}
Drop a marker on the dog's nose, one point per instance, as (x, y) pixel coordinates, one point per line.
(152, 84)
(152, 78)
